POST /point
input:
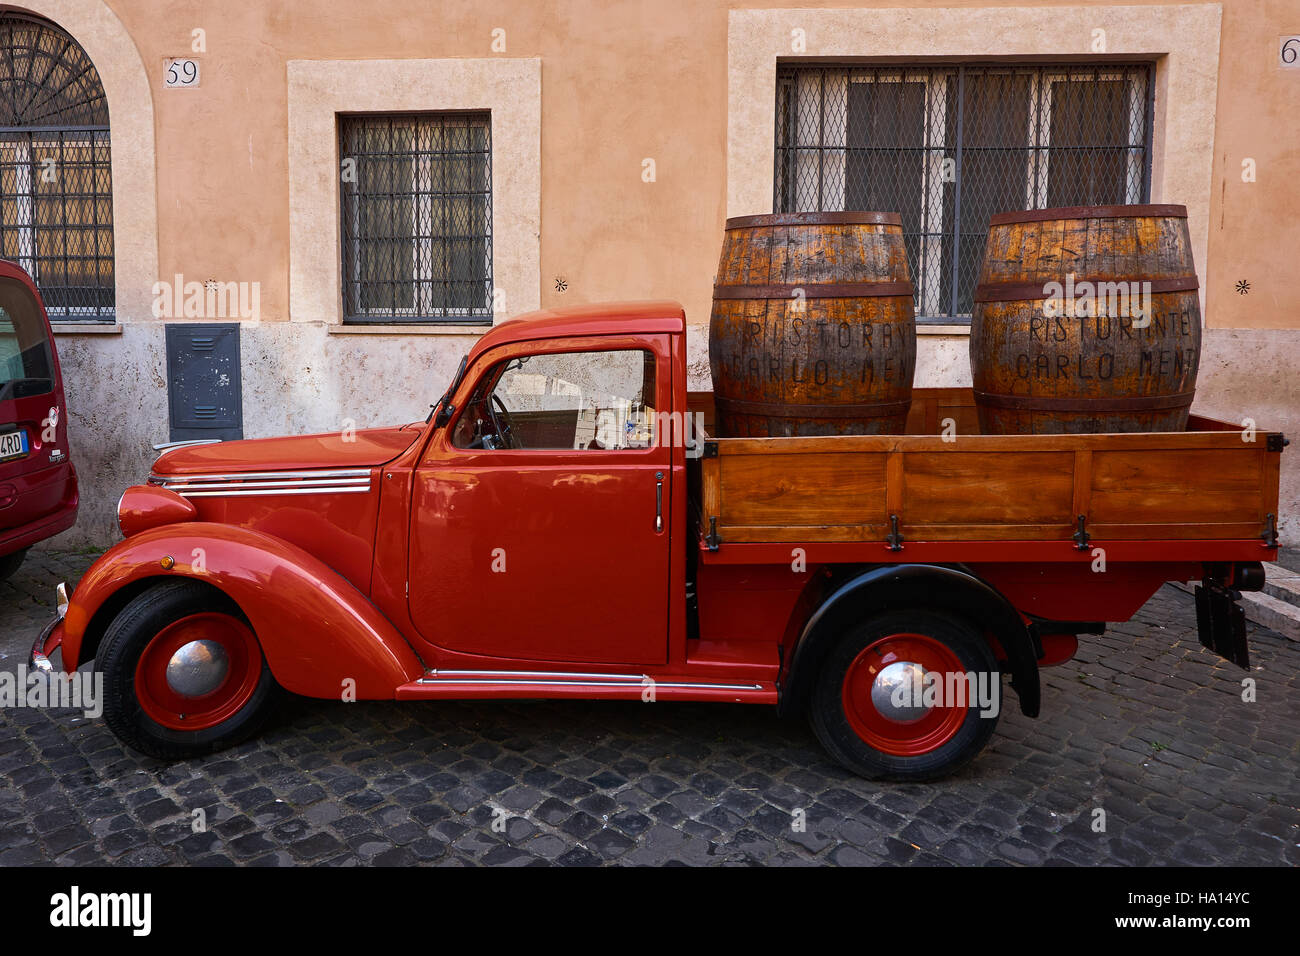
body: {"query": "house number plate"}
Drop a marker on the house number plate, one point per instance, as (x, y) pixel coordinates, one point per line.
(180, 73)
(1288, 53)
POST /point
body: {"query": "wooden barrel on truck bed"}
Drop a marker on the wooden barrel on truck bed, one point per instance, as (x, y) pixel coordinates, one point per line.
(1061, 339)
(813, 331)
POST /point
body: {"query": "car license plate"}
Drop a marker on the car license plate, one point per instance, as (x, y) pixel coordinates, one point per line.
(13, 445)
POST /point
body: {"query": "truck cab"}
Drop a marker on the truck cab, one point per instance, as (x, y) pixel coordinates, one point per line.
(549, 489)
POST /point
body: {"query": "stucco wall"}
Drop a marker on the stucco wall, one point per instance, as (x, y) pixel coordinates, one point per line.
(203, 186)
(297, 379)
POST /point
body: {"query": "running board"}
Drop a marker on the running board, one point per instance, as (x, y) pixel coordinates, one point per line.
(480, 684)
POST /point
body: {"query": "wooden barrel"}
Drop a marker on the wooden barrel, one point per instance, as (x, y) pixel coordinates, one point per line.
(812, 331)
(1086, 319)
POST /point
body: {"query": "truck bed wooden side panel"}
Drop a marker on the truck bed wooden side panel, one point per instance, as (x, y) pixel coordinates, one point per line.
(1203, 484)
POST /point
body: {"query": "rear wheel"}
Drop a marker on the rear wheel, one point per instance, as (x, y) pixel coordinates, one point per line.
(184, 674)
(907, 695)
(11, 563)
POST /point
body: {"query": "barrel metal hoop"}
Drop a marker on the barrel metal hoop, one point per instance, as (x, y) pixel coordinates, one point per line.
(1033, 291)
(817, 219)
(737, 406)
(811, 290)
(1087, 212)
(1139, 403)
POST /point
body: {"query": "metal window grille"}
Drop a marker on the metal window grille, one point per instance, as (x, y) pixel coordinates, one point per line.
(949, 145)
(417, 217)
(56, 193)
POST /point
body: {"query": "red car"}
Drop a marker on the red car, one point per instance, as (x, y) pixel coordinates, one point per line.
(558, 528)
(38, 485)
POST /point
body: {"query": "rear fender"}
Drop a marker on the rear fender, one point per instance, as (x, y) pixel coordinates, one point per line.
(930, 586)
(316, 629)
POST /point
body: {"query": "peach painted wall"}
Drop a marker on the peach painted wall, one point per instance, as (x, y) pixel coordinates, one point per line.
(622, 82)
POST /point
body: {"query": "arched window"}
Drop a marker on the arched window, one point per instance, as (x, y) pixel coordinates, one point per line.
(56, 197)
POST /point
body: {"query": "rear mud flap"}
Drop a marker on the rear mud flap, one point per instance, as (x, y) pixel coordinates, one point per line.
(1222, 622)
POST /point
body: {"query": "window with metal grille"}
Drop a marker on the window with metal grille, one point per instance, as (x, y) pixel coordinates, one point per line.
(417, 217)
(56, 195)
(949, 145)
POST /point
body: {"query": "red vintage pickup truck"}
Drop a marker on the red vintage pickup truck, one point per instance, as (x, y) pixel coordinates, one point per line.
(561, 526)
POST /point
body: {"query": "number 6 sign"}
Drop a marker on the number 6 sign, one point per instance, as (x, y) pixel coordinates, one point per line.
(180, 73)
(1288, 54)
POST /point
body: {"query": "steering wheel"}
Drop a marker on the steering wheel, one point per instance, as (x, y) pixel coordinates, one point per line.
(503, 425)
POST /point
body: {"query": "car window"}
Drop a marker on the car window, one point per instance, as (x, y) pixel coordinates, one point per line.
(25, 365)
(596, 401)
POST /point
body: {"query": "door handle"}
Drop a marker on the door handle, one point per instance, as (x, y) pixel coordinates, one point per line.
(659, 501)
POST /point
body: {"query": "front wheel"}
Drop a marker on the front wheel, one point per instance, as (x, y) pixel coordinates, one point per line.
(184, 673)
(907, 695)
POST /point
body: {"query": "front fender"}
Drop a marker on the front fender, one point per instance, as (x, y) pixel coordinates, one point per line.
(316, 629)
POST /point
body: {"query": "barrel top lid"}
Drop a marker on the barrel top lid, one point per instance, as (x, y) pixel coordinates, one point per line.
(1087, 212)
(817, 219)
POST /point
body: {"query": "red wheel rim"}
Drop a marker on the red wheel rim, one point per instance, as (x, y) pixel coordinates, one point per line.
(939, 724)
(164, 705)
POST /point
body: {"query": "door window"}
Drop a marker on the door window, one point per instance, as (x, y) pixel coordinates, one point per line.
(588, 401)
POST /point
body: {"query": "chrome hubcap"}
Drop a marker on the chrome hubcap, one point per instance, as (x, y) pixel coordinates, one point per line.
(896, 692)
(197, 668)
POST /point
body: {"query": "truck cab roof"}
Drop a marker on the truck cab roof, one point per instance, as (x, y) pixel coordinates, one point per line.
(603, 318)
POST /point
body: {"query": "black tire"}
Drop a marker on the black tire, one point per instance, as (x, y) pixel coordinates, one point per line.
(11, 563)
(119, 652)
(847, 747)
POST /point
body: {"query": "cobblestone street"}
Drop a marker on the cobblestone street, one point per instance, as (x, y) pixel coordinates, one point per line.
(1145, 725)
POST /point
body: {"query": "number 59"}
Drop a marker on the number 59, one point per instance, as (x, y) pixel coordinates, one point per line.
(180, 73)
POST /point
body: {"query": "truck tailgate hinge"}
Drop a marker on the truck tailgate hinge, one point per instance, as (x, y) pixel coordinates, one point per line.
(1270, 531)
(895, 537)
(1081, 537)
(712, 539)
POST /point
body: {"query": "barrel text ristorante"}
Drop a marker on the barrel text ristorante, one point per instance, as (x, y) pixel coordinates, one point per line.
(1086, 319)
(813, 331)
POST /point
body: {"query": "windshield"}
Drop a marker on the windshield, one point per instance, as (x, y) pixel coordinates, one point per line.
(25, 365)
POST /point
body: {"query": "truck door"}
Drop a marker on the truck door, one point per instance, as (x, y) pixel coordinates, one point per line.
(539, 526)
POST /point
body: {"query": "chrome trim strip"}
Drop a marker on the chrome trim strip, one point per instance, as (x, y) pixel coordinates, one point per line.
(168, 445)
(565, 674)
(246, 475)
(313, 483)
(542, 682)
(233, 493)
